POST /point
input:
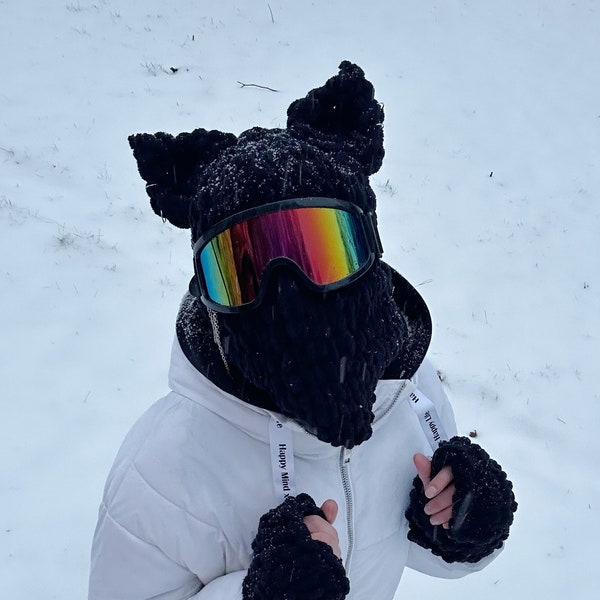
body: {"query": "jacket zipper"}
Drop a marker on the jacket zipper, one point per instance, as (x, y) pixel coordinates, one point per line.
(392, 403)
(345, 455)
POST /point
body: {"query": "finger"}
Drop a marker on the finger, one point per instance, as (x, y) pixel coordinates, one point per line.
(330, 510)
(316, 524)
(331, 541)
(423, 465)
(441, 502)
(442, 517)
(323, 531)
(441, 481)
(313, 523)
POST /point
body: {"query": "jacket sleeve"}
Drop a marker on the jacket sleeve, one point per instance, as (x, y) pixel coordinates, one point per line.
(127, 567)
(419, 558)
(422, 560)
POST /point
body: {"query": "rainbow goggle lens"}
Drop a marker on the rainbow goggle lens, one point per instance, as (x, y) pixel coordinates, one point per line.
(332, 242)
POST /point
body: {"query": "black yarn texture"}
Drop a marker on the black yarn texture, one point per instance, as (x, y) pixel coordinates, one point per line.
(171, 166)
(317, 359)
(332, 143)
(319, 356)
(313, 356)
(287, 563)
(483, 506)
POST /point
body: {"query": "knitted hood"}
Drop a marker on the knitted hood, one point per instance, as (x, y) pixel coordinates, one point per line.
(313, 356)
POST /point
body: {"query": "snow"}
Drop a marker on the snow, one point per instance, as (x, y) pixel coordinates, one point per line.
(488, 200)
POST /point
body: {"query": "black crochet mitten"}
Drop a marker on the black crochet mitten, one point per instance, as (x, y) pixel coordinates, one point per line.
(288, 564)
(483, 505)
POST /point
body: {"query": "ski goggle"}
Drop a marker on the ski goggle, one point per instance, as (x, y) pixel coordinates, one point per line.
(332, 242)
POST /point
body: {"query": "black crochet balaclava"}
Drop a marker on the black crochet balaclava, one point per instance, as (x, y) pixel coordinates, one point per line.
(315, 357)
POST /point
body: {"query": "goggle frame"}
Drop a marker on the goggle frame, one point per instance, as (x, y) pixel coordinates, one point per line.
(367, 221)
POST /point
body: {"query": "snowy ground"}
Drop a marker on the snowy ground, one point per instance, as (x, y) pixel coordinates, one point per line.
(488, 200)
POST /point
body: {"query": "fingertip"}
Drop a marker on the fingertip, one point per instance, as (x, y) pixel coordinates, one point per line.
(330, 510)
(420, 460)
(423, 465)
(431, 492)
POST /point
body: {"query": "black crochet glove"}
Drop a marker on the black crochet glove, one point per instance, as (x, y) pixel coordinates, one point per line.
(288, 564)
(483, 505)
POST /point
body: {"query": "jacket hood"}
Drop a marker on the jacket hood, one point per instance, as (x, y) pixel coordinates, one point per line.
(415, 313)
(187, 381)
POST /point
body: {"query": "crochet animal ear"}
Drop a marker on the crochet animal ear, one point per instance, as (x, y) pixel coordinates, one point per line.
(344, 107)
(171, 167)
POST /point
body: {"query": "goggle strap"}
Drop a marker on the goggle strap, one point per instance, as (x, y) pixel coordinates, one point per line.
(194, 287)
(372, 219)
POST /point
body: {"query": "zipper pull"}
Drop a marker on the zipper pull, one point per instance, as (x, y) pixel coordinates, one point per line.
(346, 456)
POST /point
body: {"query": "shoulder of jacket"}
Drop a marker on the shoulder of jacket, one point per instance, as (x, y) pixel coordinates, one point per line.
(150, 436)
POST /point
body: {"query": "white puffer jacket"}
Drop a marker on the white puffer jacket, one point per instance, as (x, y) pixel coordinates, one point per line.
(196, 472)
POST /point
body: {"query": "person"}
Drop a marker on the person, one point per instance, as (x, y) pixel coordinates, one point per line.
(291, 458)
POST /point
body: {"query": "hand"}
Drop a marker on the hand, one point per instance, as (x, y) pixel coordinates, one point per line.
(288, 541)
(439, 490)
(323, 530)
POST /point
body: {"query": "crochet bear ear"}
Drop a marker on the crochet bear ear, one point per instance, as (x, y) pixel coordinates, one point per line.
(345, 107)
(171, 167)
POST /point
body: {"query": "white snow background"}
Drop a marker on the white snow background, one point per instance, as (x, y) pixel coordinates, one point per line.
(488, 202)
